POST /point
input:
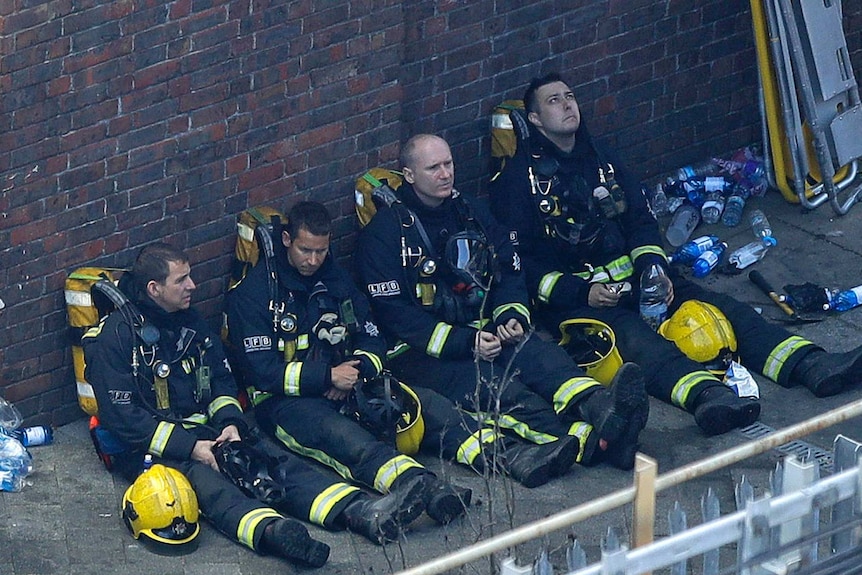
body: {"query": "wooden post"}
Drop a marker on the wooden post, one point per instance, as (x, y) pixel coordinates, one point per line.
(643, 514)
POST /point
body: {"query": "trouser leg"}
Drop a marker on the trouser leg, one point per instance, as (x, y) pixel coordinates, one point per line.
(314, 428)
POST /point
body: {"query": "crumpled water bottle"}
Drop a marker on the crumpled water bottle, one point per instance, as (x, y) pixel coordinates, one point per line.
(10, 417)
(16, 464)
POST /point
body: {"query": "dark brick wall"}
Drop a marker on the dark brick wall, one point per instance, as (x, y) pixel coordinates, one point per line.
(128, 121)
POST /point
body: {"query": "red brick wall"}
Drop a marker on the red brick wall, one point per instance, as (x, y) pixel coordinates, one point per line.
(125, 122)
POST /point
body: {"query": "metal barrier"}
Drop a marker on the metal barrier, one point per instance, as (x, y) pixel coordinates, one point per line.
(759, 529)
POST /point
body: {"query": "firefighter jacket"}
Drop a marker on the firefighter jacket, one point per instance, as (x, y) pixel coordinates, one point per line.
(150, 396)
(569, 235)
(288, 347)
(401, 260)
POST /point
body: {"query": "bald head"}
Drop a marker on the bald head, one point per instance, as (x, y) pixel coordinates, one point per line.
(426, 161)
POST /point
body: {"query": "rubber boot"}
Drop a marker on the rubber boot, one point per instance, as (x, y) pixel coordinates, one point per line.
(444, 501)
(382, 519)
(534, 465)
(717, 410)
(826, 374)
(290, 540)
(612, 410)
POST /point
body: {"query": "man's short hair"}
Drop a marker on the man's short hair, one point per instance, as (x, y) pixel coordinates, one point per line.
(310, 216)
(152, 264)
(406, 157)
(535, 84)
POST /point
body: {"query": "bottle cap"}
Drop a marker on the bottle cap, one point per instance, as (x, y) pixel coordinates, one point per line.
(769, 241)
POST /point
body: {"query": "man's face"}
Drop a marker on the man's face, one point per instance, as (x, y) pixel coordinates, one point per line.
(432, 172)
(175, 293)
(557, 112)
(306, 251)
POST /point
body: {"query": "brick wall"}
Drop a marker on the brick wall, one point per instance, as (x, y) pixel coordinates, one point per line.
(128, 121)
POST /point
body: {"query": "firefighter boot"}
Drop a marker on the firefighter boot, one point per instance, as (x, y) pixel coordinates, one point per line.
(382, 519)
(290, 540)
(826, 374)
(616, 410)
(534, 465)
(717, 410)
(444, 501)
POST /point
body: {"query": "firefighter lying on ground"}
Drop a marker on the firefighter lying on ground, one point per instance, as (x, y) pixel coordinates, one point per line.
(164, 388)
(584, 224)
(445, 283)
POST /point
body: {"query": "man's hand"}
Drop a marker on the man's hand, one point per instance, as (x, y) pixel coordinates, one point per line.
(602, 296)
(229, 433)
(511, 332)
(345, 375)
(487, 346)
(203, 452)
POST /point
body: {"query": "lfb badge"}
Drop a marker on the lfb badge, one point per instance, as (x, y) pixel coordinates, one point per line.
(288, 323)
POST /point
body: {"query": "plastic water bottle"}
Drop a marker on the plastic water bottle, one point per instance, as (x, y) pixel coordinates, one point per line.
(15, 464)
(658, 203)
(842, 300)
(712, 208)
(691, 250)
(685, 219)
(733, 210)
(748, 254)
(32, 436)
(701, 170)
(707, 261)
(10, 417)
(761, 228)
(654, 290)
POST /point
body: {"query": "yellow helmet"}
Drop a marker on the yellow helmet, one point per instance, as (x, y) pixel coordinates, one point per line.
(593, 345)
(703, 333)
(410, 429)
(162, 506)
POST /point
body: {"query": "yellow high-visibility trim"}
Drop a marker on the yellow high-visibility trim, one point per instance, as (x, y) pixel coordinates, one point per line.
(249, 522)
(323, 504)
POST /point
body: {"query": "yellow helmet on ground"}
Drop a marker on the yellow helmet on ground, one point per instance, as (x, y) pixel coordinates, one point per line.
(703, 333)
(410, 429)
(162, 506)
(593, 345)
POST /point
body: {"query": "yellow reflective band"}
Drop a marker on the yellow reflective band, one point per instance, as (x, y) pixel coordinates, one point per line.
(302, 341)
(391, 470)
(194, 420)
(249, 522)
(780, 353)
(257, 397)
(654, 250)
(375, 359)
(501, 121)
(517, 307)
(329, 498)
(472, 446)
(546, 285)
(582, 431)
(679, 393)
(292, 373)
(94, 331)
(618, 269)
(220, 402)
(523, 430)
(399, 348)
(570, 389)
(438, 339)
(160, 439)
(292, 444)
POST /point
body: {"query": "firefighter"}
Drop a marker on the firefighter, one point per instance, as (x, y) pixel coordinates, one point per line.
(164, 388)
(445, 282)
(584, 226)
(304, 338)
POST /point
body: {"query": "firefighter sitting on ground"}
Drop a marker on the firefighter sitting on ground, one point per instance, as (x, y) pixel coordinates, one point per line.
(164, 388)
(434, 266)
(552, 191)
